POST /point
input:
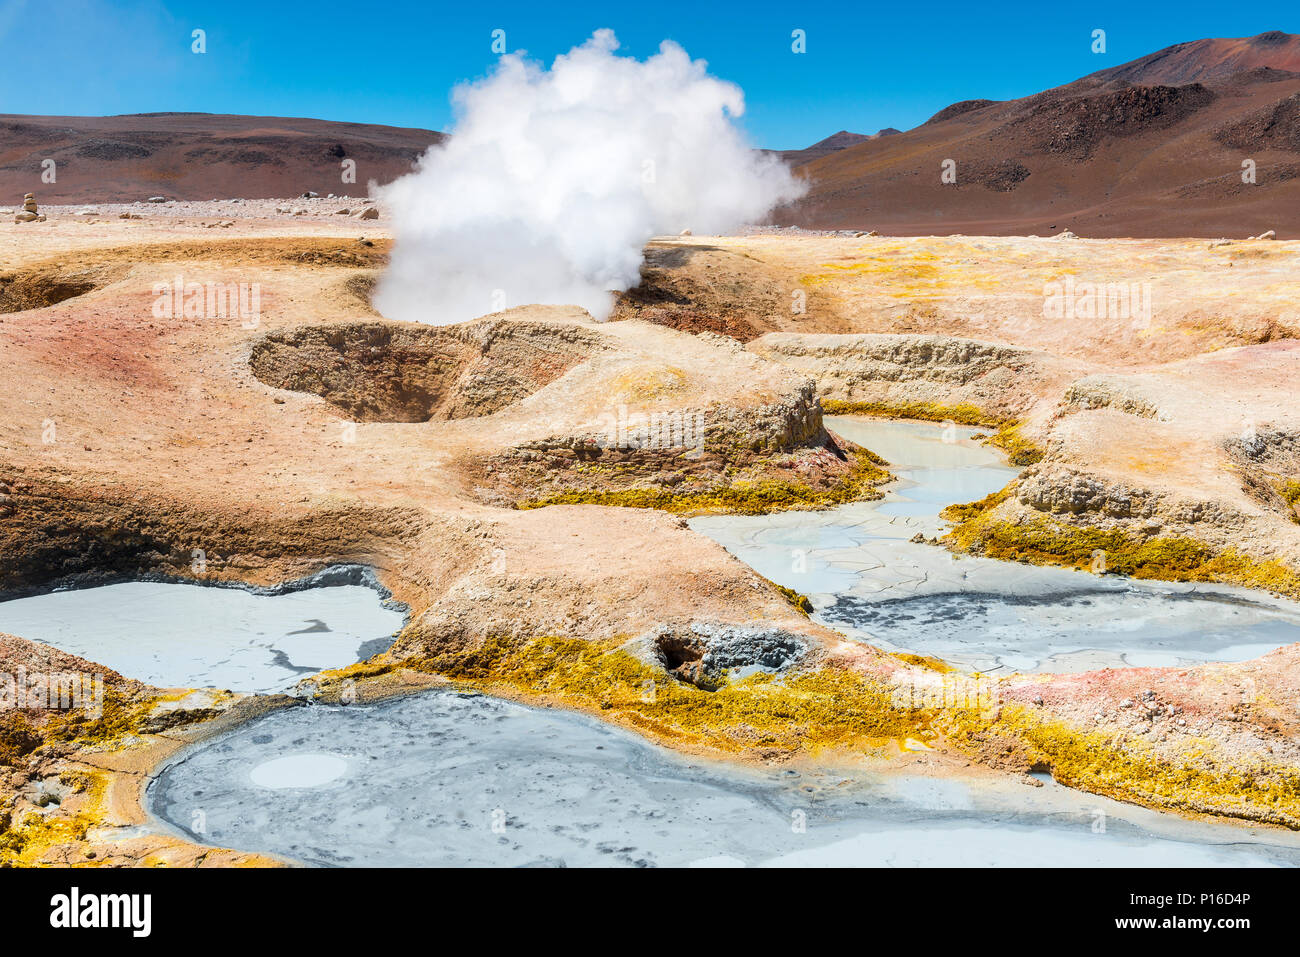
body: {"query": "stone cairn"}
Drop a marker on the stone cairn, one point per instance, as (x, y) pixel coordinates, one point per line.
(29, 213)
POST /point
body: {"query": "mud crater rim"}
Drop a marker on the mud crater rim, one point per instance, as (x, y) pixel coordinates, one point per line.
(379, 370)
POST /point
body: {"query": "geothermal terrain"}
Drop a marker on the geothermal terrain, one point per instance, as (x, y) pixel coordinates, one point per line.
(709, 529)
(471, 468)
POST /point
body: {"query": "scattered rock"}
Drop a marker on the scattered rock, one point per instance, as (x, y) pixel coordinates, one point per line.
(369, 213)
(685, 232)
(156, 199)
(1271, 234)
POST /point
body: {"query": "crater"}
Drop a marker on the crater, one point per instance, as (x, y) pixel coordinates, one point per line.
(382, 371)
(38, 288)
(702, 654)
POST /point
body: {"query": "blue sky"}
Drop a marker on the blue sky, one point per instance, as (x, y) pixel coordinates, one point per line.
(868, 64)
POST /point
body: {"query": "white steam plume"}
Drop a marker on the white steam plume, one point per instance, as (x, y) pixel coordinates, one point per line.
(553, 180)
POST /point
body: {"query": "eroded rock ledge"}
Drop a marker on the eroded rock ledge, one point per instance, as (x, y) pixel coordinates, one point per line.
(1003, 381)
(721, 458)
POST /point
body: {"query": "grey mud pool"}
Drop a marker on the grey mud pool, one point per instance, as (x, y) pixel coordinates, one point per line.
(459, 779)
(866, 578)
(444, 778)
(181, 635)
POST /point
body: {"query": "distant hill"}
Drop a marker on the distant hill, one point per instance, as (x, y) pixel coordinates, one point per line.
(833, 143)
(1149, 148)
(196, 156)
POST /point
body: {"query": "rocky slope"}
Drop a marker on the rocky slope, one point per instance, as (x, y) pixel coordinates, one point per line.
(1154, 147)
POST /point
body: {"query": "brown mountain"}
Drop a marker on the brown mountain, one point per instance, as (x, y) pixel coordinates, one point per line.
(1154, 147)
(196, 156)
(832, 144)
(1209, 61)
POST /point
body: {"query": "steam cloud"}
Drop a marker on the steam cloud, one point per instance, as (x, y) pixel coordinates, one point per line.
(553, 180)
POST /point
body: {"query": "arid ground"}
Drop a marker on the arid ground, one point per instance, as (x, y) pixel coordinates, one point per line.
(1148, 387)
